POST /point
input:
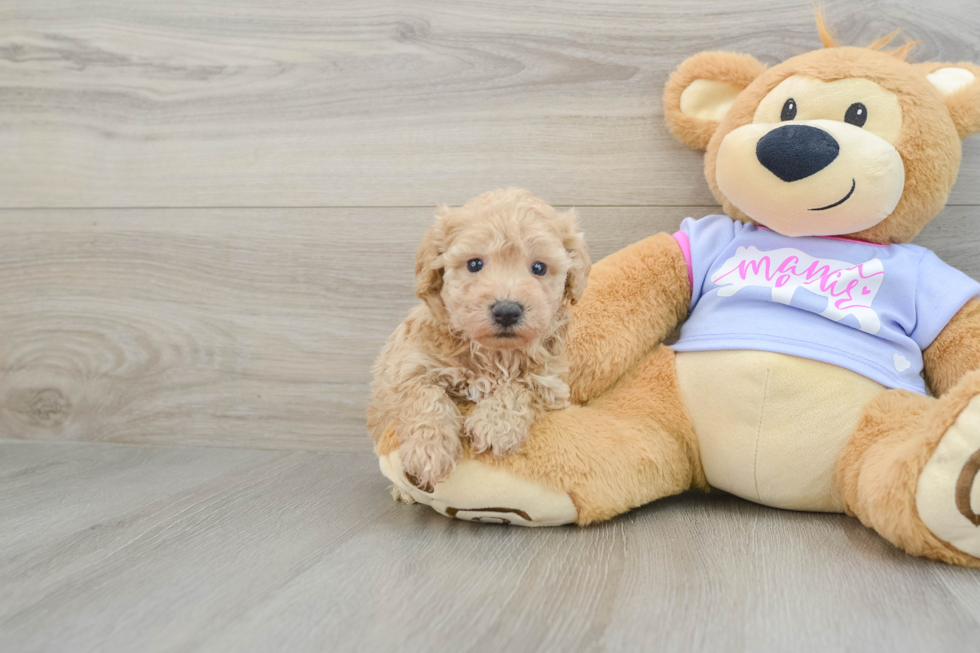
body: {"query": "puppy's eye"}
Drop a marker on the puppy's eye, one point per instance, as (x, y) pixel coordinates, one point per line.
(539, 269)
(789, 110)
(857, 114)
(474, 265)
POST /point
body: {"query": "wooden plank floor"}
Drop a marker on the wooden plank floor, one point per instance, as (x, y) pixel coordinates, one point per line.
(208, 217)
(134, 548)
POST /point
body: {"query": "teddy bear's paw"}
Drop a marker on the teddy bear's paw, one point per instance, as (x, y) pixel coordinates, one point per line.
(948, 493)
(428, 458)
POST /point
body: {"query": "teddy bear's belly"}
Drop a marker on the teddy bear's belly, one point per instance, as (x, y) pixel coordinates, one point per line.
(771, 426)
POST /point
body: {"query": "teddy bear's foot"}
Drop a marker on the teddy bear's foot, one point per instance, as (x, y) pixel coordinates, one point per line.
(476, 491)
(948, 493)
(909, 471)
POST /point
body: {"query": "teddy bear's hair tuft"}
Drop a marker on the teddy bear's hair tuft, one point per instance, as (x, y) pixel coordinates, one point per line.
(830, 40)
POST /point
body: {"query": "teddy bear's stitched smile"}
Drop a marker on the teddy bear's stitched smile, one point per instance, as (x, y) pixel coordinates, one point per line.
(840, 201)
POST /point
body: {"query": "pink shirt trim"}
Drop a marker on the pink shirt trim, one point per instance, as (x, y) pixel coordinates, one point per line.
(843, 240)
(685, 244)
(851, 240)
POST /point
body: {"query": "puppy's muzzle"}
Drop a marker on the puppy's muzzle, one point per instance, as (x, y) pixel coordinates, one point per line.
(506, 313)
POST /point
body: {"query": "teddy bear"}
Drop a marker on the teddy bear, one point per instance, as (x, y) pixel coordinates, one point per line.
(823, 362)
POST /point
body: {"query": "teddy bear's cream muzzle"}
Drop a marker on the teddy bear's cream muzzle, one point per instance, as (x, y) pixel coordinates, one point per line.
(820, 194)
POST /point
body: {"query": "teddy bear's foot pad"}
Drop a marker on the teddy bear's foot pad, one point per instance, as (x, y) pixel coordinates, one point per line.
(479, 492)
(948, 494)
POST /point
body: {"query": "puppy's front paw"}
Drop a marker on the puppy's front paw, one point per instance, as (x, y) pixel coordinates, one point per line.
(554, 393)
(428, 457)
(401, 496)
(491, 426)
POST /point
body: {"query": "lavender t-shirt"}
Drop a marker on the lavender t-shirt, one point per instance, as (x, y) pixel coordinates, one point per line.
(868, 308)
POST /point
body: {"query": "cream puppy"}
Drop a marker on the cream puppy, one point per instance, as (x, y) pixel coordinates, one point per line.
(496, 276)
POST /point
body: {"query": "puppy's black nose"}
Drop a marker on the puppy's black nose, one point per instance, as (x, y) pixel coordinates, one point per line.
(795, 152)
(506, 313)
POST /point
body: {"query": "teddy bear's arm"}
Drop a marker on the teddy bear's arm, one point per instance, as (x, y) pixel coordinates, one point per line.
(635, 298)
(955, 351)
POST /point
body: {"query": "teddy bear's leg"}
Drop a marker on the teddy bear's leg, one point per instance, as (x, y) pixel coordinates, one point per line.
(910, 468)
(630, 446)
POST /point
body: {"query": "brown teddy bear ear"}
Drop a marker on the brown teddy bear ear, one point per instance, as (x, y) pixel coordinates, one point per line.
(959, 84)
(700, 92)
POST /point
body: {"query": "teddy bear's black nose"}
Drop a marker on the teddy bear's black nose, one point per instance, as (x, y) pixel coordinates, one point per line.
(794, 152)
(506, 313)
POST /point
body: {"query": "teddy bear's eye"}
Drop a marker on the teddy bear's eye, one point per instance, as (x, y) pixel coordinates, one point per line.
(474, 265)
(789, 110)
(857, 114)
(539, 269)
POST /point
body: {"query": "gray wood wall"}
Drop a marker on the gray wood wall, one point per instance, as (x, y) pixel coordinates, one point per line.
(208, 211)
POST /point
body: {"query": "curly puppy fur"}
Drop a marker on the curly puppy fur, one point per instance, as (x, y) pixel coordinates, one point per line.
(452, 349)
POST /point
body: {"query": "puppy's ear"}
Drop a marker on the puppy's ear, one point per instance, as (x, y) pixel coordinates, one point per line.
(959, 84)
(700, 92)
(429, 264)
(578, 273)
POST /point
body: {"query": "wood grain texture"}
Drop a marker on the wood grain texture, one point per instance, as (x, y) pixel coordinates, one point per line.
(144, 316)
(235, 327)
(369, 102)
(122, 548)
